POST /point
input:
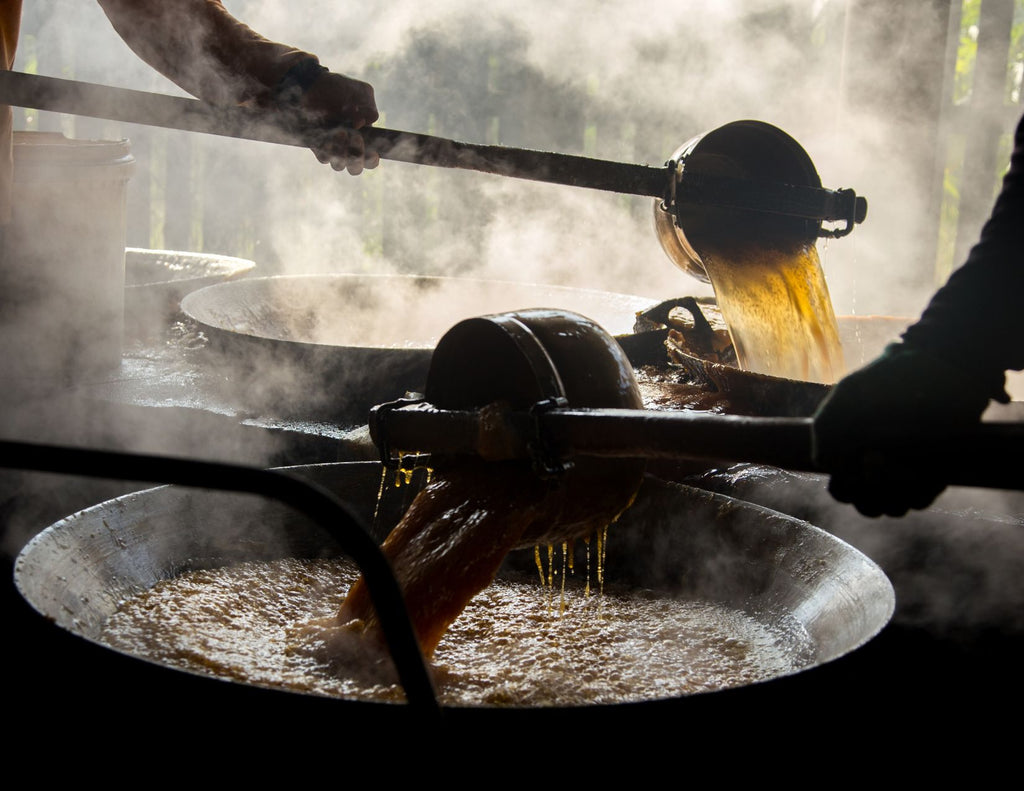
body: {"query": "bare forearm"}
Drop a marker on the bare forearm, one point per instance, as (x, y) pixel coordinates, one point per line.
(202, 48)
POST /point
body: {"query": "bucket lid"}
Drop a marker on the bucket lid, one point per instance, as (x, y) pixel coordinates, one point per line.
(54, 156)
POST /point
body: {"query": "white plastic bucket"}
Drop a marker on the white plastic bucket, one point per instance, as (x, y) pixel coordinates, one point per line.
(62, 269)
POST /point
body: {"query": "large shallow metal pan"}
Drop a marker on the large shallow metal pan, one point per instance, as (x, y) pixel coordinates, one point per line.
(332, 346)
(156, 281)
(677, 540)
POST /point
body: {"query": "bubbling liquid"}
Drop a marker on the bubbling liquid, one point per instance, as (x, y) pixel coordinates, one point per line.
(516, 643)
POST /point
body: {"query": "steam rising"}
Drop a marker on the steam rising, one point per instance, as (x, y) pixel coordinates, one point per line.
(609, 81)
(615, 80)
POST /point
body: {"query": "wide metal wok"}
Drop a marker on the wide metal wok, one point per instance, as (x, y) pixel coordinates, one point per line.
(156, 280)
(332, 346)
(677, 540)
(686, 376)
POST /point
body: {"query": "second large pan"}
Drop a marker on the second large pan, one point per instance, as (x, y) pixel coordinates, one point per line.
(332, 346)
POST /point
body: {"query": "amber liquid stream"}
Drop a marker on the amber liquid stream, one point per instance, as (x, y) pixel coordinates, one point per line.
(776, 304)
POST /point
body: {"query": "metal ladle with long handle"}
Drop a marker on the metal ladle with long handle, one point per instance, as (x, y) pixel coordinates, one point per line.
(462, 414)
(675, 186)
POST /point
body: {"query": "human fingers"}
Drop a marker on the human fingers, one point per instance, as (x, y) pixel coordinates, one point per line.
(355, 148)
(344, 149)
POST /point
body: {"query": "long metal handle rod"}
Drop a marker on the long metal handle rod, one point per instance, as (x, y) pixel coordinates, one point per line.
(987, 456)
(174, 112)
(191, 115)
(313, 500)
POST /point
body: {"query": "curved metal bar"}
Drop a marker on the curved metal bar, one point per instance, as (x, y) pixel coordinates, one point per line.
(313, 500)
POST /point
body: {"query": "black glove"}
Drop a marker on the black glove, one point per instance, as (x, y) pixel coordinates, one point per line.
(864, 427)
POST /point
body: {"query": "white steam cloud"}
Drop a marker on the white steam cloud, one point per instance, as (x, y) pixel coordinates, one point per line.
(615, 80)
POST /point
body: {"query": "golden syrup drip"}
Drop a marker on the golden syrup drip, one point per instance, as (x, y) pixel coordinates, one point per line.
(602, 545)
(546, 573)
(565, 562)
(568, 567)
(380, 493)
(776, 304)
(586, 590)
(550, 583)
(403, 475)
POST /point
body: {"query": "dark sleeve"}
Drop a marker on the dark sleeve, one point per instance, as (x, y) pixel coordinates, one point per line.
(976, 320)
(199, 46)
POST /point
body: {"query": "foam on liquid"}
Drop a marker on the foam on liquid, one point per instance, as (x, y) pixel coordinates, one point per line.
(517, 643)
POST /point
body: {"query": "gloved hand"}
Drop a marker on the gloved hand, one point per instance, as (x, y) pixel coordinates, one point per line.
(334, 99)
(870, 417)
(334, 102)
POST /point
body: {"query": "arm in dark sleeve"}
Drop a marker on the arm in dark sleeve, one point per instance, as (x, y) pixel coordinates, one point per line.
(976, 320)
(939, 380)
(203, 49)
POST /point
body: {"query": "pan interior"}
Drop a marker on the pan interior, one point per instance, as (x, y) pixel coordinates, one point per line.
(679, 542)
(145, 267)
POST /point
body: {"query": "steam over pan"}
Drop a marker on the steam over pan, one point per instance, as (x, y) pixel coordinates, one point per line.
(332, 346)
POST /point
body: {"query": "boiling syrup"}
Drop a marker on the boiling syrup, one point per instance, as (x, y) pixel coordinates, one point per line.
(514, 644)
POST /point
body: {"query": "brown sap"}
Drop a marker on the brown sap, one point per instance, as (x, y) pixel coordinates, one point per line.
(777, 306)
(517, 643)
